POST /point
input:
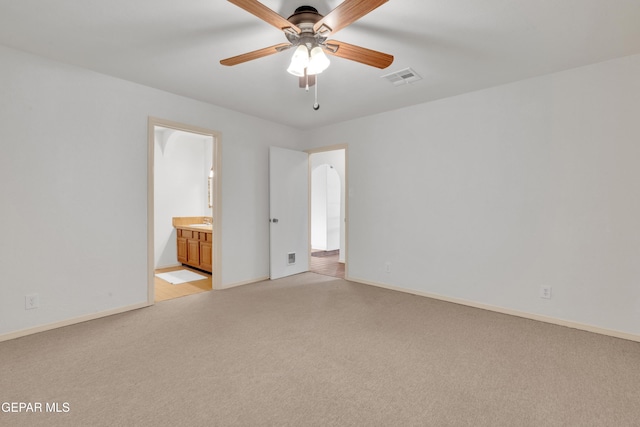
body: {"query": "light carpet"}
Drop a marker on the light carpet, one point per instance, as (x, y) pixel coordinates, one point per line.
(312, 350)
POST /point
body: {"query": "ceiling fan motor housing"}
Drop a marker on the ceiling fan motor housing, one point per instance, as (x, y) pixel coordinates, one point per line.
(304, 18)
(305, 14)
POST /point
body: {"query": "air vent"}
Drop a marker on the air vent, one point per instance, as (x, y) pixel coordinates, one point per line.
(402, 77)
(291, 258)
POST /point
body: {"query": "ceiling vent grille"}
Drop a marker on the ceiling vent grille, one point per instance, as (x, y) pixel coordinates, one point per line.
(402, 77)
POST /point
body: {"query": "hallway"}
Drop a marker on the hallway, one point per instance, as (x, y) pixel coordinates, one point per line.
(326, 263)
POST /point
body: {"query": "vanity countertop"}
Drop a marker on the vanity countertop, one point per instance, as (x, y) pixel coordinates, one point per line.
(193, 223)
(196, 227)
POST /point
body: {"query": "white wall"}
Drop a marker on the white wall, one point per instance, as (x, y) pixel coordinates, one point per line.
(181, 169)
(489, 195)
(333, 209)
(73, 188)
(325, 208)
(335, 158)
(484, 196)
(319, 207)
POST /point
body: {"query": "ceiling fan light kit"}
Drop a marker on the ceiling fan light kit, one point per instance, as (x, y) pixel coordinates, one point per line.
(314, 61)
(318, 61)
(307, 31)
(299, 61)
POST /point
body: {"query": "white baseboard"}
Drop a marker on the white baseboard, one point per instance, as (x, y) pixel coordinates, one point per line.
(93, 316)
(247, 282)
(524, 314)
(167, 266)
(546, 319)
(68, 322)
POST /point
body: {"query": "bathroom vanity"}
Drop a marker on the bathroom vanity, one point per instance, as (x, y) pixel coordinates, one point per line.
(194, 240)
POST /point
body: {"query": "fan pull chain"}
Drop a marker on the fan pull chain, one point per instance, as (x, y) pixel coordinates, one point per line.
(316, 106)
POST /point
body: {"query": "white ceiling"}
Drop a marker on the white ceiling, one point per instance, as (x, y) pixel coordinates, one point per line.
(457, 46)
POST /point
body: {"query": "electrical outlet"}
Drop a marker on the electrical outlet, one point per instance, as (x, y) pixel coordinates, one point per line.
(387, 267)
(31, 301)
(545, 292)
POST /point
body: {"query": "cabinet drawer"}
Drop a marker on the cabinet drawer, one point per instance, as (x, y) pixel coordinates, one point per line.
(203, 236)
(186, 234)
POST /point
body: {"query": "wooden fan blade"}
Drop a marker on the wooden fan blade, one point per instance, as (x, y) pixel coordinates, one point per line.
(347, 13)
(263, 12)
(249, 56)
(359, 54)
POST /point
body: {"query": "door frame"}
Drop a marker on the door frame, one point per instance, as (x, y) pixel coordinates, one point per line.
(216, 276)
(344, 147)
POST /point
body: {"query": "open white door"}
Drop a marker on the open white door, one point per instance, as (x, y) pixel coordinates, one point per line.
(288, 212)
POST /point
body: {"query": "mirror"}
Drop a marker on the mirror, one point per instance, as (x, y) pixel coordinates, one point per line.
(210, 188)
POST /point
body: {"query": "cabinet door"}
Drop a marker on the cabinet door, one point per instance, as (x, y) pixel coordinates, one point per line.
(182, 250)
(193, 252)
(206, 253)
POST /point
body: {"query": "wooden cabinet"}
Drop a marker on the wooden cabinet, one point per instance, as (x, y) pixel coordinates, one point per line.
(195, 248)
(193, 253)
(182, 249)
(206, 256)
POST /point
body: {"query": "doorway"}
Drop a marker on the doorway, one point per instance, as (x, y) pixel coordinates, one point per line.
(328, 211)
(184, 188)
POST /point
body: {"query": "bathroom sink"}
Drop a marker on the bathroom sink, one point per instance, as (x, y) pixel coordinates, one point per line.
(199, 225)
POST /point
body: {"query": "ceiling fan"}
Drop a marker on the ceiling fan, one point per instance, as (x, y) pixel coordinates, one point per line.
(308, 31)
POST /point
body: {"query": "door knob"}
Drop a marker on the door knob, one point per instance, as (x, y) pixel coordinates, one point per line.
(274, 220)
